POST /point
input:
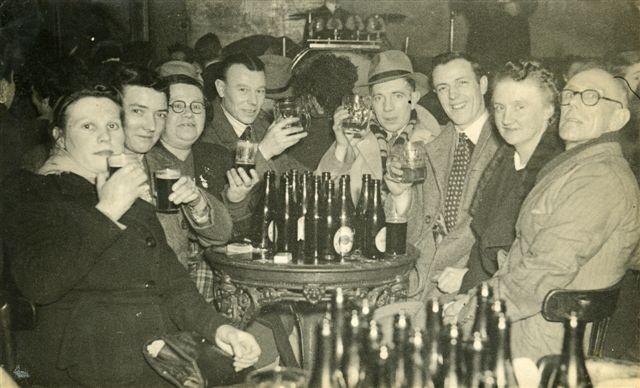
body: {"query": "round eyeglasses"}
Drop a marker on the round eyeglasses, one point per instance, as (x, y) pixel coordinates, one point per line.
(589, 97)
(196, 107)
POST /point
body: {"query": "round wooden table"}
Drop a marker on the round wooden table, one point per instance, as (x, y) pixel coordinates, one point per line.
(244, 284)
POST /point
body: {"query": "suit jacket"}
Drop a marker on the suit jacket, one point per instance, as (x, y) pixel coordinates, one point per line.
(428, 203)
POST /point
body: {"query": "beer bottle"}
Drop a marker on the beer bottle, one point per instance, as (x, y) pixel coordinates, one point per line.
(371, 339)
(295, 183)
(572, 371)
(328, 226)
(399, 361)
(433, 332)
(365, 313)
(326, 177)
(323, 373)
(417, 376)
(382, 374)
(312, 223)
(345, 221)
(453, 375)
(483, 312)
(361, 213)
(376, 239)
(353, 369)
(286, 219)
(266, 230)
(476, 374)
(338, 318)
(304, 204)
(503, 373)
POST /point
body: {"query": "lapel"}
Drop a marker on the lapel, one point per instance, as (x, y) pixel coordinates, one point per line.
(440, 152)
(221, 128)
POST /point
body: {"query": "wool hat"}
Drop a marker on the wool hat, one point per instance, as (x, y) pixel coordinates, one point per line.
(394, 64)
(277, 71)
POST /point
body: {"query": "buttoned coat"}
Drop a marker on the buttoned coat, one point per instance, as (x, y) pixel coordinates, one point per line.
(428, 202)
(101, 292)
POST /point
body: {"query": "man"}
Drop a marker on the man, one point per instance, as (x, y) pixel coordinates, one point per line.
(208, 50)
(580, 224)
(395, 90)
(237, 114)
(438, 210)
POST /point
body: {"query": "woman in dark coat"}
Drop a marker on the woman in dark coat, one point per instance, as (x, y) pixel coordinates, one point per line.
(93, 257)
(524, 110)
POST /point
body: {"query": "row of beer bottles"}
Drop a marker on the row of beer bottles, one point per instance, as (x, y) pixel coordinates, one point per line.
(311, 219)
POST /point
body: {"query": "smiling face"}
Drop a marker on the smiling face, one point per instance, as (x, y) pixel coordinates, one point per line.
(92, 132)
(145, 112)
(183, 129)
(393, 102)
(242, 92)
(460, 93)
(522, 112)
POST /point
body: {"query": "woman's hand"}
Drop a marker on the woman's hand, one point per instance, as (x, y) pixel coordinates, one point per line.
(240, 183)
(117, 193)
(240, 344)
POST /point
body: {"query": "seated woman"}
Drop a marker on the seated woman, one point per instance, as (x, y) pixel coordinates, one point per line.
(93, 257)
(524, 98)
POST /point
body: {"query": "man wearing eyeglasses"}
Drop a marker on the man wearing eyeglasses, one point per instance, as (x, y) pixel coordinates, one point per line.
(579, 226)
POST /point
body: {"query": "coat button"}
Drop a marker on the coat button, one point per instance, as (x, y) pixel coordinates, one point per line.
(151, 242)
(427, 219)
(150, 284)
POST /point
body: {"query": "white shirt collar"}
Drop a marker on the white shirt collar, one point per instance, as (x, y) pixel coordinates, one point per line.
(474, 129)
(517, 163)
(238, 127)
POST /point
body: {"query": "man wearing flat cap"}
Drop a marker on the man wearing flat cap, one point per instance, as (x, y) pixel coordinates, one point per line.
(395, 89)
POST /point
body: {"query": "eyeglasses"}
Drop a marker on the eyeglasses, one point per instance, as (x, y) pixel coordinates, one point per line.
(196, 107)
(589, 97)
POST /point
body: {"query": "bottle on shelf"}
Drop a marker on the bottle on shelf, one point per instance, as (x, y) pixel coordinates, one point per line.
(361, 213)
(286, 220)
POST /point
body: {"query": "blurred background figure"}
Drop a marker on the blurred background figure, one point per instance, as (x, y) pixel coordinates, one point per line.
(208, 49)
(277, 71)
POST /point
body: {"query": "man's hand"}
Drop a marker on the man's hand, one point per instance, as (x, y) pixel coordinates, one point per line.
(117, 193)
(344, 141)
(240, 184)
(280, 136)
(240, 344)
(450, 279)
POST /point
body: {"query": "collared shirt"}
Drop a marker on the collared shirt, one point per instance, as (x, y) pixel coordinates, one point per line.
(474, 129)
(517, 163)
(238, 127)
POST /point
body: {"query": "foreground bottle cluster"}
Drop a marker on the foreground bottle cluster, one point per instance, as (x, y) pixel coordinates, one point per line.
(352, 351)
(314, 220)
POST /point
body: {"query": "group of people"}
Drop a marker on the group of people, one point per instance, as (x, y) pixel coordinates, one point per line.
(527, 189)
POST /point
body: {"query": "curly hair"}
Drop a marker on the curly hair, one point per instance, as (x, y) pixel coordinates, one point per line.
(534, 71)
(328, 78)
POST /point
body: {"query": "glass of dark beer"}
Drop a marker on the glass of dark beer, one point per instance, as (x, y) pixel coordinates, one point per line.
(118, 161)
(359, 108)
(246, 155)
(396, 235)
(163, 181)
(411, 159)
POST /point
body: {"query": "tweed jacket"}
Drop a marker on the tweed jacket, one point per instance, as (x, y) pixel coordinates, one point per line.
(577, 230)
(428, 202)
(101, 292)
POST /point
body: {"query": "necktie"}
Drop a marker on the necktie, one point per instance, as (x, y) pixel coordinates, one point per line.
(457, 178)
(246, 135)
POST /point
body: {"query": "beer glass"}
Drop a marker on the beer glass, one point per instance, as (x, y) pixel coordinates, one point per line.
(246, 151)
(117, 161)
(409, 157)
(163, 181)
(290, 107)
(359, 108)
(279, 377)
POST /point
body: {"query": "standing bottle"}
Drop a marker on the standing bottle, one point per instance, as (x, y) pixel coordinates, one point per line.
(376, 240)
(503, 373)
(453, 375)
(286, 219)
(328, 226)
(483, 315)
(304, 206)
(343, 238)
(572, 371)
(353, 367)
(295, 183)
(265, 224)
(383, 372)
(417, 375)
(433, 333)
(313, 223)
(400, 363)
(361, 213)
(338, 318)
(476, 374)
(323, 373)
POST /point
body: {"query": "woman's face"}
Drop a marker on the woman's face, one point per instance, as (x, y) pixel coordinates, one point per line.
(93, 131)
(521, 111)
(184, 128)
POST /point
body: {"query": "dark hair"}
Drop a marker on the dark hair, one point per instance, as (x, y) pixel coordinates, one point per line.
(98, 91)
(447, 57)
(208, 47)
(250, 61)
(523, 70)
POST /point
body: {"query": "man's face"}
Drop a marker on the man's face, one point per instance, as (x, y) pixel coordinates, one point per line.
(459, 92)
(183, 129)
(393, 102)
(632, 75)
(580, 123)
(145, 112)
(242, 92)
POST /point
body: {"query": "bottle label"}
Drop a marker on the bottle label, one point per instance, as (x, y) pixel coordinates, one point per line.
(301, 228)
(381, 239)
(271, 232)
(343, 240)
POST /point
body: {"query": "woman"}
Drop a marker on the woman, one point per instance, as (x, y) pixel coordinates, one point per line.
(524, 98)
(93, 257)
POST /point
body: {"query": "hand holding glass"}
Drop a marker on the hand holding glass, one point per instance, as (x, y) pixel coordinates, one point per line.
(289, 107)
(411, 159)
(246, 155)
(359, 108)
(163, 181)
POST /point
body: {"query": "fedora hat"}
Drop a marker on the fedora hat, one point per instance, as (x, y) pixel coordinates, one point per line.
(277, 71)
(393, 64)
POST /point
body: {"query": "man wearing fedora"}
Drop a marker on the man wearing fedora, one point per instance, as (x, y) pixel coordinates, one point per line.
(395, 89)
(438, 209)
